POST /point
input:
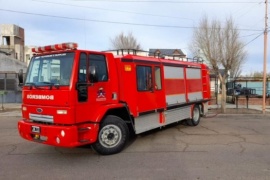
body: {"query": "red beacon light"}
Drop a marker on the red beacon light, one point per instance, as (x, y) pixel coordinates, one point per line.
(55, 47)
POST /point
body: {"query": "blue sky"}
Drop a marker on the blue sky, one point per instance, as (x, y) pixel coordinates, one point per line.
(155, 24)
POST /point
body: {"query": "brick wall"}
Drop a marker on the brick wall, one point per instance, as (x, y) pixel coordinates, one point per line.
(252, 101)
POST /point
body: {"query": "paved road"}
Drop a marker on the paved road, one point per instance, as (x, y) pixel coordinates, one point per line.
(222, 147)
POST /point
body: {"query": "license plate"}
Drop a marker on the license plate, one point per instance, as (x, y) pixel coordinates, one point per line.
(35, 129)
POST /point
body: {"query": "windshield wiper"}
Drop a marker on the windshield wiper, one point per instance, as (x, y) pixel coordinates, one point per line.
(51, 85)
(32, 84)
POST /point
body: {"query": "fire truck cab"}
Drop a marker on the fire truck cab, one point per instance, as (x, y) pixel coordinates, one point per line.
(75, 97)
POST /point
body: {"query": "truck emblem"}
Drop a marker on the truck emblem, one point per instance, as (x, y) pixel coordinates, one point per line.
(39, 110)
(101, 95)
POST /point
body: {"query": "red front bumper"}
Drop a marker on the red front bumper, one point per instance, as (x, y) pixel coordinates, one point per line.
(64, 136)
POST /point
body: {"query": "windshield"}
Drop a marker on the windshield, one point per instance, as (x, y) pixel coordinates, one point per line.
(53, 69)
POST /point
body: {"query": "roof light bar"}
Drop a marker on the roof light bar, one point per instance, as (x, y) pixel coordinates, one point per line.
(55, 47)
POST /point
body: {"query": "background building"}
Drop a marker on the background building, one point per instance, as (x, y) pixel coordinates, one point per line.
(12, 59)
(12, 41)
(128, 51)
(28, 54)
(175, 54)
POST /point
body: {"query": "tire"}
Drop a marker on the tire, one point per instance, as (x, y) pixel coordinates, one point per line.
(196, 116)
(112, 137)
(201, 110)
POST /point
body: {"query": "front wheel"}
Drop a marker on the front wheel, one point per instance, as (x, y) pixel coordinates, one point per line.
(196, 115)
(112, 137)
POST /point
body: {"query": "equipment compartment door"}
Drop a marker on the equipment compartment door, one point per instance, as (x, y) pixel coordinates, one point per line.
(149, 87)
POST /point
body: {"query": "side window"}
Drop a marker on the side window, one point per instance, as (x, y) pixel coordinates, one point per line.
(157, 78)
(34, 67)
(99, 62)
(82, 68)
(144, 78)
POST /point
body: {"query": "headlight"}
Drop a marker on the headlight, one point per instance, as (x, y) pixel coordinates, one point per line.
(61, 111)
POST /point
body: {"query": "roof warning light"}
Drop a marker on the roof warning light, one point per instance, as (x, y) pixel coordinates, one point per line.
(55, 47)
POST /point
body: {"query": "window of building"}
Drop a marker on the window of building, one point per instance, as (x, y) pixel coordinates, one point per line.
(6, 41)
(27, 56)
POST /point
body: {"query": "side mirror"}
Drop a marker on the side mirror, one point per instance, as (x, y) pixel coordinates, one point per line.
(20, 77)
(93, 74)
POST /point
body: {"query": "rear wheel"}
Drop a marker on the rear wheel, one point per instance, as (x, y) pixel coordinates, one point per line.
(113, 136)
(196, 116)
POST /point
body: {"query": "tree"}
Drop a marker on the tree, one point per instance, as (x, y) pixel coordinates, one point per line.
(123, 41)
(222, 48)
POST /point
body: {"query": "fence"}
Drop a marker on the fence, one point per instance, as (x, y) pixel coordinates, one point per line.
(239, 86)
(253, 85)
(247, 90)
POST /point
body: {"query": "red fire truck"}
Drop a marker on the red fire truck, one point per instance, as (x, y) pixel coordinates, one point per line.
(75, 97)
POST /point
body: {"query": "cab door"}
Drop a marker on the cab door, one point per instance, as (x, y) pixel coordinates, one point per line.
(100, 90)
(93, 86)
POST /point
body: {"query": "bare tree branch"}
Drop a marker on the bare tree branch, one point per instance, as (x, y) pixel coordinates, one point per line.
(222, 48)
(123, 41)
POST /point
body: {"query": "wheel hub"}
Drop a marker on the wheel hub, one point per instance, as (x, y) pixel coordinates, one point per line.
(110, 136)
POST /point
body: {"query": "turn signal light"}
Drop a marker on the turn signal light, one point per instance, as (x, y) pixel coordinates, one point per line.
(127, 68)
(24, 108)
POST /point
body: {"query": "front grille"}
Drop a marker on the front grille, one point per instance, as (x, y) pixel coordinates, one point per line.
(41, 118)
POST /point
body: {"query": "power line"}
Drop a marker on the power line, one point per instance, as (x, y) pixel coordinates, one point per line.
(252, 7)
(105, 9)
(100, 21)
(254, 39)
(111, 22)
(124, 11)
(250, 35)
(242, 8)
(178, 2)
(255, 24)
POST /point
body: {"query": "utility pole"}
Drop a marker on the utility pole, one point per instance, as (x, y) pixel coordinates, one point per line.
(265, 56)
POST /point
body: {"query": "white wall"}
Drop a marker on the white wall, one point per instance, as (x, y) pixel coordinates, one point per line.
(8, 64)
